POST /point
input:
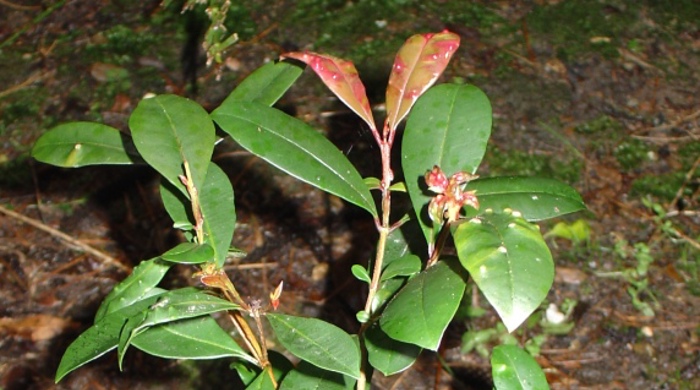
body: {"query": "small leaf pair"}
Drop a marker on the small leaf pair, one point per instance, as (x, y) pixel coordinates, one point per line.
(417, 66)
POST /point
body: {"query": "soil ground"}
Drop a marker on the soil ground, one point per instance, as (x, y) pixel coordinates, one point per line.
(600, 94)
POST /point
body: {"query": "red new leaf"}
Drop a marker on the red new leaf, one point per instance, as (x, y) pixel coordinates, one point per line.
(340, 76)
(421, 60)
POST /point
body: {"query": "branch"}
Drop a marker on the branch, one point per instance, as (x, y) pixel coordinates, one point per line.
(66, 238)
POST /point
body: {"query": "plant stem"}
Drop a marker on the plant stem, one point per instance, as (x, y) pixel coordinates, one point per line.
(248, 336)
(194, 199)
(442, 237)
(261, 333)
(384, 227)
(362, 380)
(257, 348)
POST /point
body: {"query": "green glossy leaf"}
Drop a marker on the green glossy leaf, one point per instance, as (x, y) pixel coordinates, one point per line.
(421, 311)
(100, 338)
(169, 130)
(535, 198)
(317, 342)
(137, 286)
(396, 246)
(295, 148)
(577, 231)
(309, 377)
(178, 207)
(513, 368)
(418, 64)
(398, 187)
(340, 76)
(360, 273)
(372, 183)
(217, 205)
(280, 364)
(194, 338)
(403, 241)
(246, 371)
(219, 212)
(261, 382)
(362, 316)
(189, 253)
(449, 127)
(171, 306)
(78, 144)
(508, 259)
(266, 85)
(387, 355)
(404, 266)
(250, 374)
(387, 289)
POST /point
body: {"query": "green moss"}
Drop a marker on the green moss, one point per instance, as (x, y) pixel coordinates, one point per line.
(689, 263)
(14, 173)
(124, 40)
(666, 186)
(600, 124)
(504, 68)
(631, 153)
(239, 19)
(26, 103)
(470, 14)
(519, 163)
(663, 187)
(572, 25)
(688, 153)
(355, 30)
(122, 44)
(676, 15)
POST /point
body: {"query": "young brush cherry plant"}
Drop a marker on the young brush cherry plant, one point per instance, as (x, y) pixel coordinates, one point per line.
(412, 294)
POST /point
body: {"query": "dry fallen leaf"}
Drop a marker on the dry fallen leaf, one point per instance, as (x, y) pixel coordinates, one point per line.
(105, 72)
(36, 327)
(569, 275)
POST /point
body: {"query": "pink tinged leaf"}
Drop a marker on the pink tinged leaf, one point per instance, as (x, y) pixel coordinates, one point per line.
(341, 77)
(418, 64)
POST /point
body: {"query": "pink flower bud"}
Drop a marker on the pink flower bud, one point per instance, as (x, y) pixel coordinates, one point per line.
(436, 208)
(469, 199)
(275, 296)
(460, 178)
(436, 180)
(447, 205)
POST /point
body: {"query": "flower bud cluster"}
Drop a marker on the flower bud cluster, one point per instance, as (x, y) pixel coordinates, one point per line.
(451, 197)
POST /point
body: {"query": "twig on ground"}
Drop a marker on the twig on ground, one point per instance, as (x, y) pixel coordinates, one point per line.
(20, 7)
(43, 15)
(687, 239)
(669, 140)
(685, 213)
(24, 84)
(629, 56)
(688, 177)
(250, 266)
(67, 265)
(669, 126)
(66, 238)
